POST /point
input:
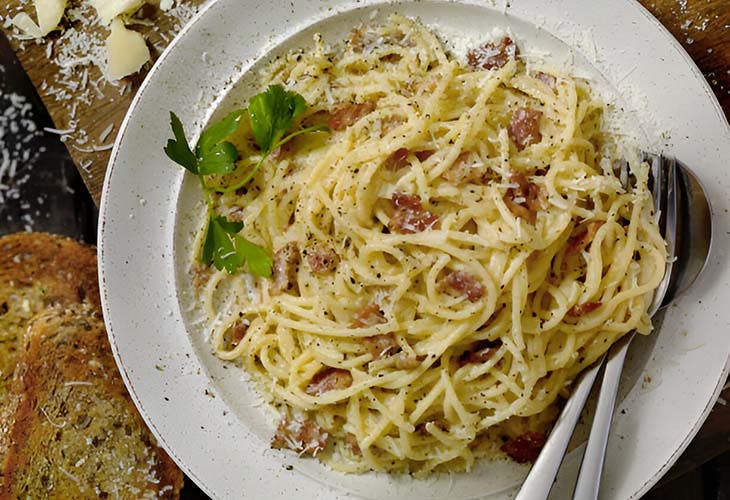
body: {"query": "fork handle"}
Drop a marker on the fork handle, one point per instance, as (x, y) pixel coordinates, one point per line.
(589, 477)
(540, 480)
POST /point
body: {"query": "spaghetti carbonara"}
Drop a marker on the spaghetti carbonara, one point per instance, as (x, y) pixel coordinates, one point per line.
(446, 259)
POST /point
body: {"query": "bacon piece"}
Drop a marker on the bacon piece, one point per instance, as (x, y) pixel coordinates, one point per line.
(584, 308)
(328, 379)
(465, 284)
(234, 334)
(492, 55)
(363, 40)
(322, 258)
(480, 352)
(351, 439)
(369, 315)
(381, 346)
(423, 431)
(525, 447)
(424, 154)
(580, 240)
(409, 215)
(548, 80)
(345, 115)
(525, 200)
(303, 436)
(286, 261)
(397, 159)
(463, 170)
(524, 127)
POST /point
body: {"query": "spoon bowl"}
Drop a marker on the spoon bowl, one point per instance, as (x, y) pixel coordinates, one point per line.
(694, 233)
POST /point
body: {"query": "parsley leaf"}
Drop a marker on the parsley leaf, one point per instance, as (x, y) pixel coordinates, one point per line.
(271, 114)
(220, 159)
(259, 261)
(215, 155)
(226, 249)
(219, 131)
(177, 149)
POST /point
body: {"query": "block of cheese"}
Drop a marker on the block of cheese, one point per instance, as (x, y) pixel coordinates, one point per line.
(26, 25)
(126, 51)
(49, 14)
(109, 9)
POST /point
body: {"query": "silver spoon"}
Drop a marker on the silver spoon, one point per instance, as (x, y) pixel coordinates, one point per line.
(694, 233)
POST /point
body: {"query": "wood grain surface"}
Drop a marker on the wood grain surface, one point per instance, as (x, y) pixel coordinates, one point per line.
(701, 26)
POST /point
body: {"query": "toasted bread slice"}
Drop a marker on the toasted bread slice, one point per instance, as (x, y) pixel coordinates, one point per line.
(75, 433)
(38, 270)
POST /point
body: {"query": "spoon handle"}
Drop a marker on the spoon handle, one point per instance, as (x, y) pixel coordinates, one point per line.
(542, 475)
(589, 477)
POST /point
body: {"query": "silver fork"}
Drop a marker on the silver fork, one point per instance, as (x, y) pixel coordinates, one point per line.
(539, 481)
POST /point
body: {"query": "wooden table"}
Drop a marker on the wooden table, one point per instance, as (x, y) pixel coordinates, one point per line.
(701, 26)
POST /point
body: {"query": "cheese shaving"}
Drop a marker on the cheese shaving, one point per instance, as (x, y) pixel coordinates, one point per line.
(27, 26)
(109, 9)
(49, 14)
(126, 51)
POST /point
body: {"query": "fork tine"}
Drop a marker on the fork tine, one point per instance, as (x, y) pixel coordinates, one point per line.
(669, 222)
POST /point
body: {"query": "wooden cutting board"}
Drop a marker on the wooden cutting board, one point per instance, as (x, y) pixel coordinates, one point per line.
(702, 26)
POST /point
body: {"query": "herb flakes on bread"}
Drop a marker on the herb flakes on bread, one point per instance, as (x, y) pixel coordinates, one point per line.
(38, 270)
(68, 428)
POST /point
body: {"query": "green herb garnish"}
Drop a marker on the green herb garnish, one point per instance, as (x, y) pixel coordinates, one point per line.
(271, 115)
(226, 249)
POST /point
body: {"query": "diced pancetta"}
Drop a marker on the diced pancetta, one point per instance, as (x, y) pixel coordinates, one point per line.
(369, 315)
(302, 436)
(492, 55)
(322, 258)
(328, 379)
(345, 115)
(525, 447)
(524, 127)
(583, 237)
(286, 262)
(525, 200)
(409, 215)
(381, 346)
(464, 284)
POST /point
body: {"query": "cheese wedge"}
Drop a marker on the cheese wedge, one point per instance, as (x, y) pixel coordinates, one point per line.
(26, 25)
(49, 14)
(109, 9)
(126, 51)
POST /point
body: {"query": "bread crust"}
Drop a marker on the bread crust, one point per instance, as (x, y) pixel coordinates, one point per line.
(75, 432)
(68, 428)
(38, 270)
